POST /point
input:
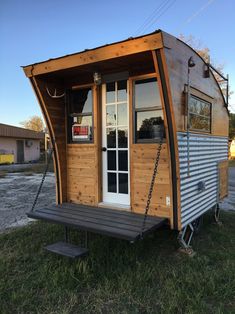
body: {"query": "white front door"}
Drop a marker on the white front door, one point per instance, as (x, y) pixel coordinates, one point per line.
(115, 143)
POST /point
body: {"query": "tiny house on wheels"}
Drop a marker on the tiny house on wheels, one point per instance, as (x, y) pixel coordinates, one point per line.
(140, 138)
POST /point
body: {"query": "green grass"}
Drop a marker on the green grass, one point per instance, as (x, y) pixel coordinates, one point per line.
(117, 277)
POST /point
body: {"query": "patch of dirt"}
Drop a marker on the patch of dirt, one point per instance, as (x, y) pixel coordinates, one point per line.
(17, 193)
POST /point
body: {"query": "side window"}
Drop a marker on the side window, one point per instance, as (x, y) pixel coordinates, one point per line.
(80, 115)
(148, 115)
(199, 114)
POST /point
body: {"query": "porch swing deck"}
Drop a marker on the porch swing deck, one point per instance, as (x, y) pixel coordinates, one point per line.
(106, 221)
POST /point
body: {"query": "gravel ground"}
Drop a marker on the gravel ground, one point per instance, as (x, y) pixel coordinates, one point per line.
(14, 167)
(17, 193)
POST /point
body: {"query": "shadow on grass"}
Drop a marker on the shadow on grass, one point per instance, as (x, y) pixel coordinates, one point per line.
(149, 276)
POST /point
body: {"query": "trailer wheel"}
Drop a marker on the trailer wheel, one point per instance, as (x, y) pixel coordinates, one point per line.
(197, 224)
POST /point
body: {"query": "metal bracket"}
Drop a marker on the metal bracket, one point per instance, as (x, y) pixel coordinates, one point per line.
(66, 234)
(184, 238)
(217, 215)
(84, 239)
(223, 79)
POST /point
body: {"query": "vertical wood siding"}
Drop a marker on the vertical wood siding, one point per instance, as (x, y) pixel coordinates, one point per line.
(82, 174)
(142, 164)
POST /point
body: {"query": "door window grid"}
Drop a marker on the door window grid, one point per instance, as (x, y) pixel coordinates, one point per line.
(117, 127)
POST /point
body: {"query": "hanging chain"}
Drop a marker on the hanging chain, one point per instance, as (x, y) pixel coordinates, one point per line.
(152, 184)
(43, 179)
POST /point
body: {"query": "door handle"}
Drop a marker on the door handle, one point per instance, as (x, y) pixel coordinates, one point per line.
(104, 149)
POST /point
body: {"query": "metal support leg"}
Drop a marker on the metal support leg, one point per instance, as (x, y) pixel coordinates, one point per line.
(184, 238)
(86, 239)
(66, 248)
(217, 215)
(83, 241)
(66, 234)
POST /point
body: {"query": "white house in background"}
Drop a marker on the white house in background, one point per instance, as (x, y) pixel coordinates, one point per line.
(22, 143)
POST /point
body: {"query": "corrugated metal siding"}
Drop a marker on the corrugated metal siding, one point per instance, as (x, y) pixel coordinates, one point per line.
(204, 153)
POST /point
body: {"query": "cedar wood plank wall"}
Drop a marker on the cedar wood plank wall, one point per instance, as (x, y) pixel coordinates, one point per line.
(85, 176)
(80, 164)
(142, 160)
(82, 171)
(142, 164)
(54, 114)
(83, 164)
(223, 177)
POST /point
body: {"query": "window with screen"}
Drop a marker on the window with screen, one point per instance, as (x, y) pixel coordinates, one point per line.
(199, 114)
(80, 115)
(148, 115)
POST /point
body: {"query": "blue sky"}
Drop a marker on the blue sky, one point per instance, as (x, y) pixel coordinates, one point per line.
(32, 31)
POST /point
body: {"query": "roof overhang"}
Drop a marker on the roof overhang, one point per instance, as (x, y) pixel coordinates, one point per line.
(116, 50)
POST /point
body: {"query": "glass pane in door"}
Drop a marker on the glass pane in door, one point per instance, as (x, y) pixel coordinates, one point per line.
(111, 137)
(110, 92)
(112, 165)
(111, 115)
(112, 182)
(121, 90)
(123, 183)
(123, 160)
(122, 114)
(122, 138)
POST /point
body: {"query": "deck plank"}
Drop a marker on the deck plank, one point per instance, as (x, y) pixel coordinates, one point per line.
(94, 220)
(109, 211)
(91, 227)
(129, 220)
(110, 222)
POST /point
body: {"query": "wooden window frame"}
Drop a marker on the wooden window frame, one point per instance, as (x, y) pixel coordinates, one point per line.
(146, 109)
(69, 124)
(209, 117)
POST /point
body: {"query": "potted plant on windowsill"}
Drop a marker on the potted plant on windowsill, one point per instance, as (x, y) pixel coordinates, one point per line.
(157, 127)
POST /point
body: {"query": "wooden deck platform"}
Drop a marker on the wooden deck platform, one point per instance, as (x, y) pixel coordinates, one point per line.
(115, 223)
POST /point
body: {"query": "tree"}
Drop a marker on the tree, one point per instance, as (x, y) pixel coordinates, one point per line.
(34, 123)
(204, 52)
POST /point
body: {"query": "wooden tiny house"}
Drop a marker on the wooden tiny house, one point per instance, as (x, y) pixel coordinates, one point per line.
(108, 109)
